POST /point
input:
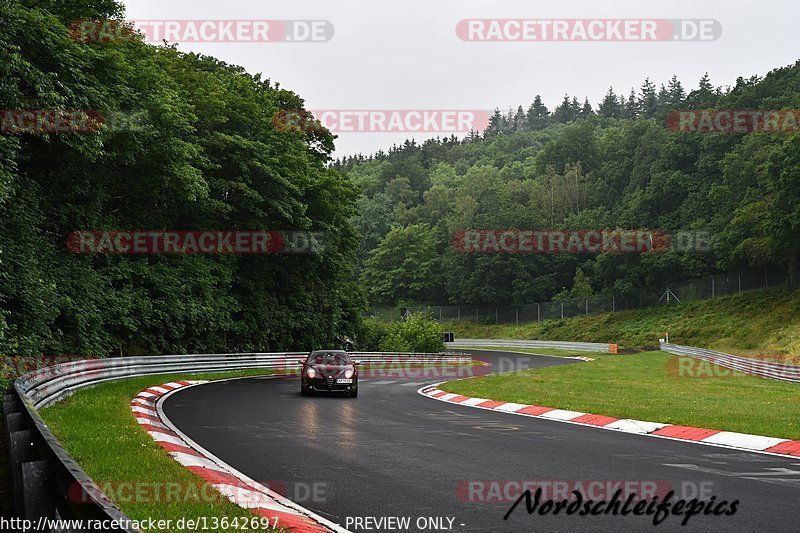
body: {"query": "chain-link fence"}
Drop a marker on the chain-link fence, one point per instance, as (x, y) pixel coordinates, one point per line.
(696, 289)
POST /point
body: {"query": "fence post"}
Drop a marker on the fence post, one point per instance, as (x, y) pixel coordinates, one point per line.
(538, 314)
(740, 284)
(495, 315)
(459, 313)
(713, 287)
(587, 306)
(562, 310)
(613, 304)
(516, 312)
(440, 313)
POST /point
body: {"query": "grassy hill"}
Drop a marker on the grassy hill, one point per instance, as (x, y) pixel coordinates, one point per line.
(761, 323)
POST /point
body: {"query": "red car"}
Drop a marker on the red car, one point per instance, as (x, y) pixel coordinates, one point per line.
(329, 371)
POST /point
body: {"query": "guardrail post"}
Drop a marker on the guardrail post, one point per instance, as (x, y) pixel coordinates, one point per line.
(516, 313)
(538, 313)
(562, 310)
(21, 450)
(713, 287)
(37, 500)
(14, 422)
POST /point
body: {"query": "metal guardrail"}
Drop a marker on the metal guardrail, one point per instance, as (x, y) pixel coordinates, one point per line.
(43, 387)
(511, 343)
(746, 365)
(49, 484)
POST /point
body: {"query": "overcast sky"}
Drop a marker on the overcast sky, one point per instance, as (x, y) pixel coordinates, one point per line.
(407, 55)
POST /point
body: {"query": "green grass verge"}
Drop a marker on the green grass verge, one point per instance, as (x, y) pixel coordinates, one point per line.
(537, 351)
(759, 323)
(98, 430)
(646, 386)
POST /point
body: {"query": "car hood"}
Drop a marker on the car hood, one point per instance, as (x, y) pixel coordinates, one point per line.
(329, 370)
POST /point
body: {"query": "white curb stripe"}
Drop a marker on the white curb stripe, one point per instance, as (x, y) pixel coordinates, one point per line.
(743, 440)
(159, 390)
(145, 410)
(145, 394)
(473, 401)
(173, 384)
(448, 396)
(151, 423)
(141, 401)
(635, 426)
(192, 460)
(163, 437)
(510, 407)
(561, 414)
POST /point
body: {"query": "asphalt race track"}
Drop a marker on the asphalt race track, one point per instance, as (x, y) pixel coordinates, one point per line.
(394, 453)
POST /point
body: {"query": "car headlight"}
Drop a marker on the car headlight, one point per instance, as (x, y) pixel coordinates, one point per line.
(349, 372)
(311, 373)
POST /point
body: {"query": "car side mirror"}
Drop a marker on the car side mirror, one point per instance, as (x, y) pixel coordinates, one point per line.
(302, 361)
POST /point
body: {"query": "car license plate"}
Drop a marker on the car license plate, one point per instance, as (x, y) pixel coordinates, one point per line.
(342, 380)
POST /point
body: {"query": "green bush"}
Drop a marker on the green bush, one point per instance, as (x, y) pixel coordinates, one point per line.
(370, 332)
(418, 333)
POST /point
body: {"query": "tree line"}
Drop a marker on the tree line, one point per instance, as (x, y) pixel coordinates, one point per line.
(576, 167)
(204, 156)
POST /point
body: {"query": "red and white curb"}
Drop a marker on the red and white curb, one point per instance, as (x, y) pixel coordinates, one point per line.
(235, 486)
(714, 437)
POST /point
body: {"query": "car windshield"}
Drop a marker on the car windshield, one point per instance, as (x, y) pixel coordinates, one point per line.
(336, 359)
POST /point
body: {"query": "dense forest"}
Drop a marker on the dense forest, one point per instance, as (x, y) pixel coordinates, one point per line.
(205, 156)
(578, 167)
